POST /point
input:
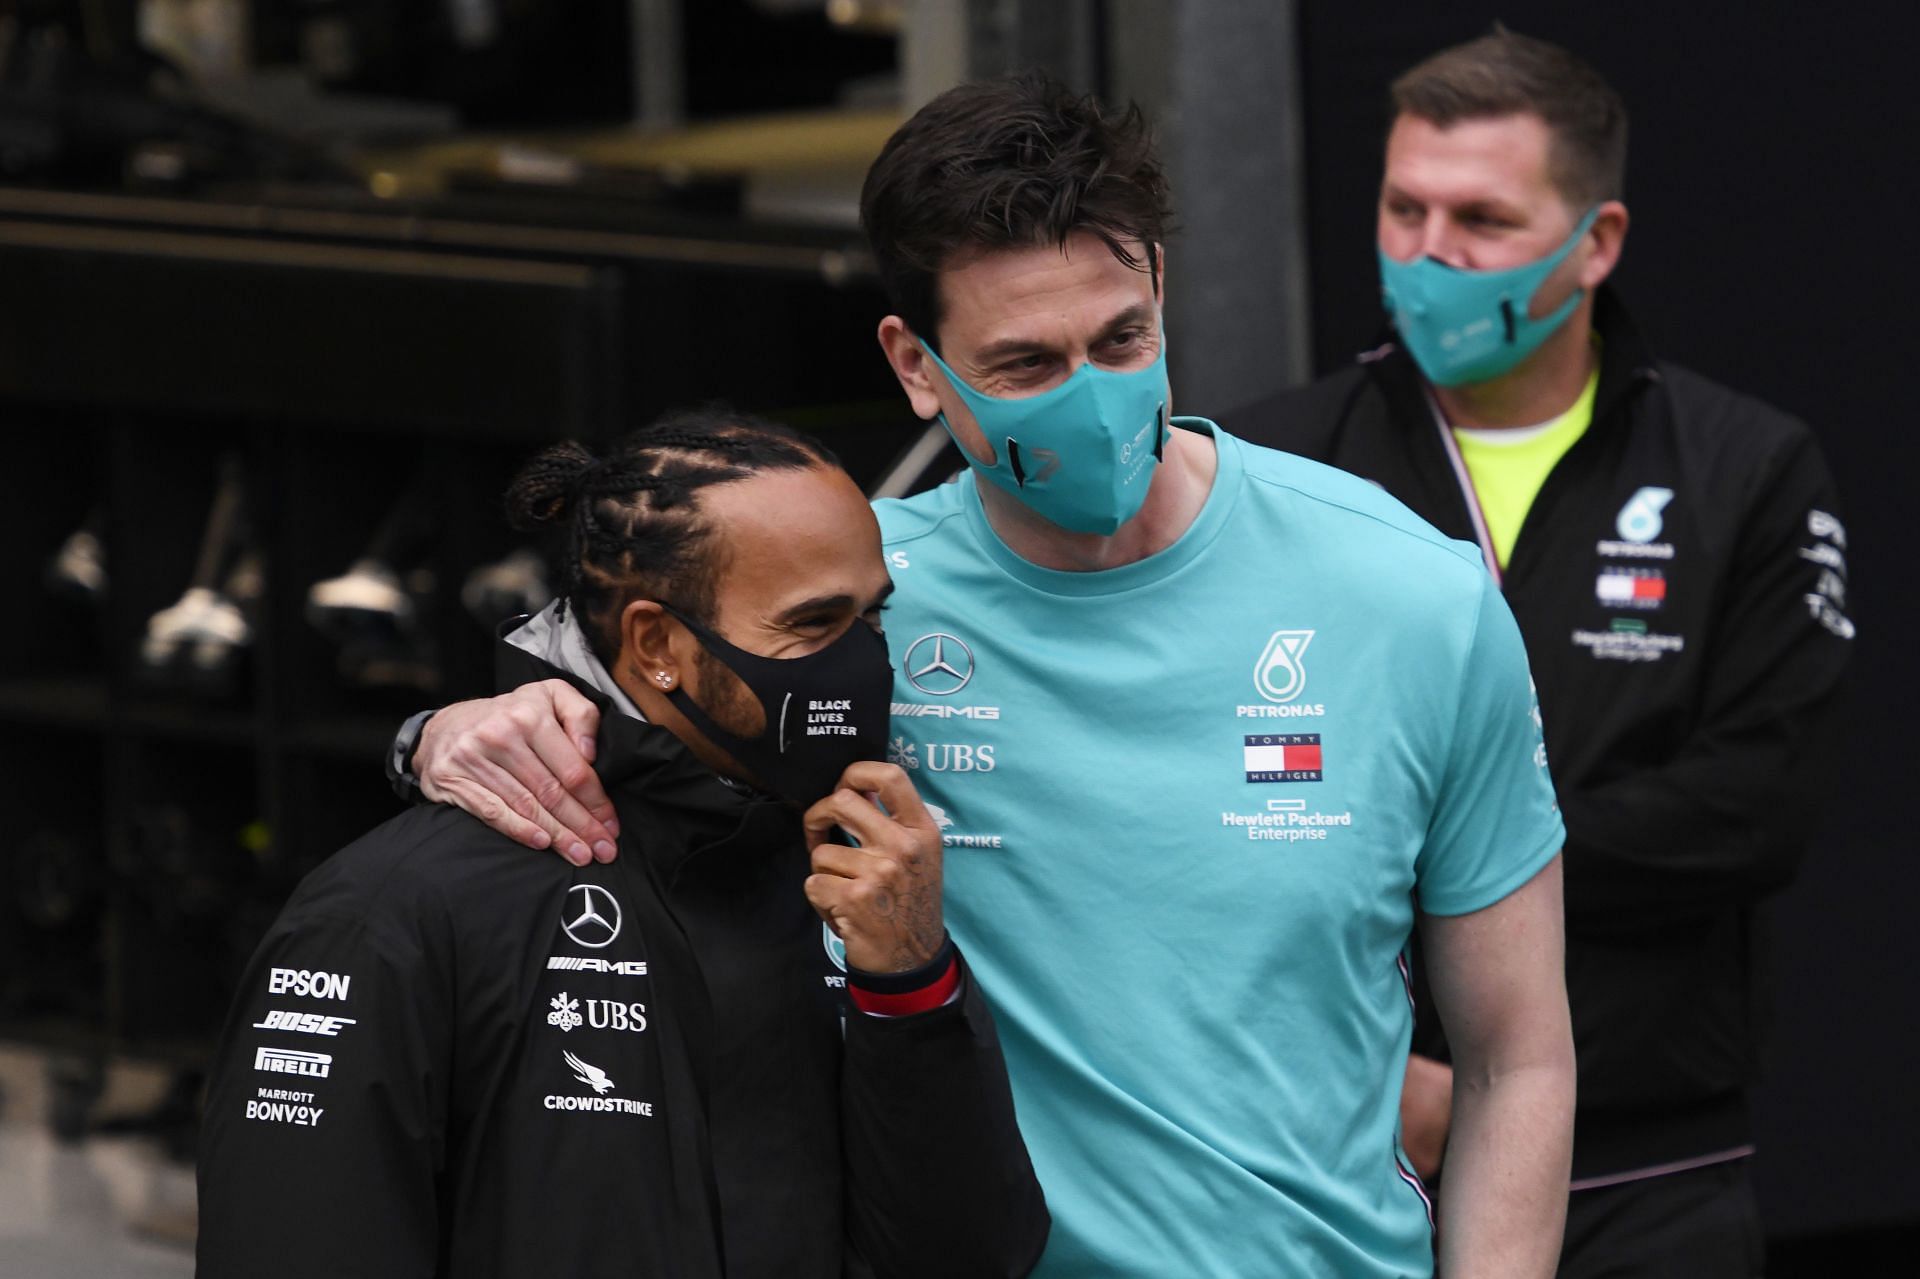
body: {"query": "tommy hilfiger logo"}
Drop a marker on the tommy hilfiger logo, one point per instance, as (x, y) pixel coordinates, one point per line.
(1637, 588)
(1283, 757)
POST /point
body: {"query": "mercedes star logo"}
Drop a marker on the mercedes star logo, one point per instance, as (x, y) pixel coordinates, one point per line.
(939, 664)
(592, 917)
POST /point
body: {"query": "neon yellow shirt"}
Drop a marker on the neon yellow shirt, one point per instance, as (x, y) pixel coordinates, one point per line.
(1508, 464)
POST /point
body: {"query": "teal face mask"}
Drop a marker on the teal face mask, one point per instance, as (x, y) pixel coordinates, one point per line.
(1080, 455)
(1470, 326)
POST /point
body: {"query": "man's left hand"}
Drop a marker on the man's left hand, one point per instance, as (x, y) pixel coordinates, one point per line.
(882, 898)
(1426, 1111)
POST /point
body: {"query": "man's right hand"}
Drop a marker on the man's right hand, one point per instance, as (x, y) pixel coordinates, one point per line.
(522, 763)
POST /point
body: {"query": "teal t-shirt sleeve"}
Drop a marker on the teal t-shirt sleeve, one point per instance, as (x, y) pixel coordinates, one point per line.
(1495, 823)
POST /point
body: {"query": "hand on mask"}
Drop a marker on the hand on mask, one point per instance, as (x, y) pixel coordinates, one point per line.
(883, 899)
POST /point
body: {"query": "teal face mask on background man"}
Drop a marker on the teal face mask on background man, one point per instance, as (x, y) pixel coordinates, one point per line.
(1470, 326)
(1080, 455)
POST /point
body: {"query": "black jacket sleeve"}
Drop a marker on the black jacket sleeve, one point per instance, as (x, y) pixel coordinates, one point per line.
(938, 1178)
(1727, 818)
(323, 1136)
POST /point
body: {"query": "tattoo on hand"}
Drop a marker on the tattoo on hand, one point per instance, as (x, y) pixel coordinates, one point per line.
(921, 923)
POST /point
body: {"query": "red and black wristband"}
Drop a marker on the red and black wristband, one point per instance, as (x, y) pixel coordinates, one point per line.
(914, 991)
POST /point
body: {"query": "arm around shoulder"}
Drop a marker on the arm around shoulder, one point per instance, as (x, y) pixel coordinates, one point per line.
(520, 762)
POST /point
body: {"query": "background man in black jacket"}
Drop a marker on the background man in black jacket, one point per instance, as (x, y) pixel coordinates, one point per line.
(1673, 554)
(452, 1058)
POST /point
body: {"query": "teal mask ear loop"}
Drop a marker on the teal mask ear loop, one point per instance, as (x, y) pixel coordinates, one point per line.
(1551, 264)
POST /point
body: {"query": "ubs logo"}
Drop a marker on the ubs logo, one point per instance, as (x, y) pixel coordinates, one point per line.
(591, 916)
(939, 664)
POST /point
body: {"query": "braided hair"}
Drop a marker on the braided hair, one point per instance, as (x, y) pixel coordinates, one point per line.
(630, 518)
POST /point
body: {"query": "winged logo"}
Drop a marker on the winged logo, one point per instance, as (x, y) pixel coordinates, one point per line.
(591, 1075)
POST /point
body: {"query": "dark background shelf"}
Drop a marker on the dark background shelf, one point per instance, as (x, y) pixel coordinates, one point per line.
(74, 701)
(338, 363)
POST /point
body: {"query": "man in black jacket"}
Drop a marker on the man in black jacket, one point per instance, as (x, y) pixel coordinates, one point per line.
(1673, 555)
(451, 1058)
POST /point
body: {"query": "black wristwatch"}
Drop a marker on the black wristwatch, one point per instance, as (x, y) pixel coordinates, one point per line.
(400, 774)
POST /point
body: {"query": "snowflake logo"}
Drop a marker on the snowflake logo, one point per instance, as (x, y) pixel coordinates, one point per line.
(565, 1014)
(903, 753)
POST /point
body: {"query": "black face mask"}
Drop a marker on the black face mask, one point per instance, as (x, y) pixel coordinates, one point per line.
(824, 711)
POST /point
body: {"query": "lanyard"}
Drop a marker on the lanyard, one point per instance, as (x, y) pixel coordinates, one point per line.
(1465, 479)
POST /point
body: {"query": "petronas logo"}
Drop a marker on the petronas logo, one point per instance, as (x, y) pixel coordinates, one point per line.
(1279, 675)
(1640, 519)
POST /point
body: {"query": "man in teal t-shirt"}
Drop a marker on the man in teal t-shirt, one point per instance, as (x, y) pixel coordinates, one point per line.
(1209, 729)
(1189, 802)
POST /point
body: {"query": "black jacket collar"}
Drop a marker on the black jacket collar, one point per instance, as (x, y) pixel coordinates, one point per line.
(1625, 362)
(643, 765)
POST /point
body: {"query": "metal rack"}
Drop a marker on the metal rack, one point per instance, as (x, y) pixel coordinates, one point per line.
(335, 349)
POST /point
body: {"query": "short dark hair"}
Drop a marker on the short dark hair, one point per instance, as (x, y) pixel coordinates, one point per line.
(1505, 73)
(1007, 163)
(630, 517)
